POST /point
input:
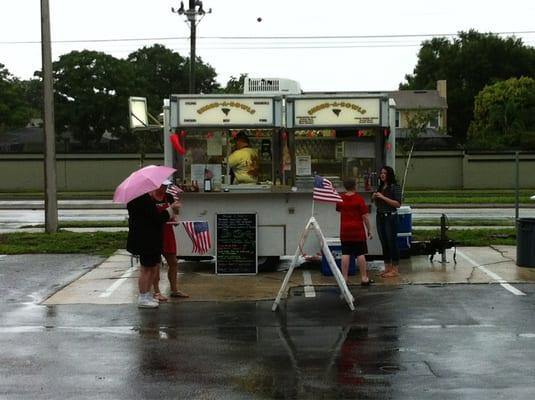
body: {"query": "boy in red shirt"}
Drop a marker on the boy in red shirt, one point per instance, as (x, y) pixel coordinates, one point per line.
(354, 229)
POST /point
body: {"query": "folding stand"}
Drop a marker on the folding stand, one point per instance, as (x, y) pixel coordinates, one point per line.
(312, 224)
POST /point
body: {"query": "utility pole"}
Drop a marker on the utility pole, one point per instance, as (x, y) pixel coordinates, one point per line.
(51, 203)
(195, 9)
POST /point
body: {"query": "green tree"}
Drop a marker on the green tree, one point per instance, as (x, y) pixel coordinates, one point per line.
(204, 77)
(92, 90)
(504, 115)
(468, 63)
(33, 95)
(14, 111)
(234, 85)
(159, 73)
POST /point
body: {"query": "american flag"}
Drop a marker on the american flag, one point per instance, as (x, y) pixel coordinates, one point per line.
(174, 191)
(199, 234)
(324, 190)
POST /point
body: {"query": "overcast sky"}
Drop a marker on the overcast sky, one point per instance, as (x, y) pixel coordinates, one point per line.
(376, 62)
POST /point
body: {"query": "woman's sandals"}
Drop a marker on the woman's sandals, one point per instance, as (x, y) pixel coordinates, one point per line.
(161, 298)
(179, 294)
(390, 274)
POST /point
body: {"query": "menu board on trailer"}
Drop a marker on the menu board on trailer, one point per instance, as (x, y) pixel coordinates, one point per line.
(303, 166)
(333, 112)
(233, 112)
(236, 243)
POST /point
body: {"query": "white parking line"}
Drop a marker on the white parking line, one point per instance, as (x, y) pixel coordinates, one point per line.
(451, 326)
(118, 282)
(493, 275)
(309, 288)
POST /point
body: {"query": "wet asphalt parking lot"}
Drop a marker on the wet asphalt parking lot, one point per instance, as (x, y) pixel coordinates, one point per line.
(455, 341)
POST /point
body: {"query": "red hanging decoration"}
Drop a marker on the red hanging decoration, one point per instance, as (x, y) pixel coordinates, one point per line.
(234, 134)
(209, 135)
(360, 133)
(284, 135)
(388, 146)
(386, 132)
(183, 133)
(175, 141)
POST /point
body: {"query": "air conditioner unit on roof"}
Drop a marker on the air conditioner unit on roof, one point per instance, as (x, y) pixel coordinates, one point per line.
(271, 86)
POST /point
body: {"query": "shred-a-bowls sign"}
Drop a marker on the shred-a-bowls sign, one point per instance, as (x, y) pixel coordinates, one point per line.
(225, 111)
(333, 112)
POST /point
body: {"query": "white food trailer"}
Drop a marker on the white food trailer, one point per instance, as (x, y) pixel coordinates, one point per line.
(334, 135)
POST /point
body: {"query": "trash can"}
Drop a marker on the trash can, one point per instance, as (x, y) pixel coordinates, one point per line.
(525, 242)
(404, 239)
(336, 250)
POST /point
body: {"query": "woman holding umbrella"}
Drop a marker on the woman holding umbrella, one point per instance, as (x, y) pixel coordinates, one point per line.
(145, 224)
(145, 230)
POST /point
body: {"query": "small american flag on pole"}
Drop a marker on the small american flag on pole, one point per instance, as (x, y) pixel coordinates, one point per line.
(199, 234)
(174, 191)
(324, 190)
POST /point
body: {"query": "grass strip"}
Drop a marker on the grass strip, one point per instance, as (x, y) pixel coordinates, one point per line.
(471, 237)
(106, 243)
(62, 242)
(467, 196)
(465, 200)
(464, 222)
(470, 192)
(85, 224)
(415, 222)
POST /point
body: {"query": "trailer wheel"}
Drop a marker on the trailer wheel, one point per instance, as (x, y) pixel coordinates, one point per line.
(268, 264)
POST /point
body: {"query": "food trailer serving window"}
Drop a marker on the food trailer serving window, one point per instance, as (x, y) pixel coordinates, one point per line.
(226, 141)
(337, 137)
(336, 153)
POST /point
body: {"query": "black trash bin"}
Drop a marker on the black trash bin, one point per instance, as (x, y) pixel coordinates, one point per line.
(525, 242)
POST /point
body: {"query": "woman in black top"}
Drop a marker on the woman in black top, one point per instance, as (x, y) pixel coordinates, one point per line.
(388, 200)
(145, 231)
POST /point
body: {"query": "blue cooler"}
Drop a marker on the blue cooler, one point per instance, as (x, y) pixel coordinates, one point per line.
(336, 250)
(404, 228)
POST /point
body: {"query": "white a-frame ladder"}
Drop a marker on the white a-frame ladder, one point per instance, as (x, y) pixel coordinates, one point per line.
(313, 225)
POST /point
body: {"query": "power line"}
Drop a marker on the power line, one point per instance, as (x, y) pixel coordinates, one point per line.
(289, 46)
(357, 36)
(315, 37)
(313, 46)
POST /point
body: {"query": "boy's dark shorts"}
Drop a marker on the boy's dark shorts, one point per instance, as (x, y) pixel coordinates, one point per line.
(149, 260)
(354, 248)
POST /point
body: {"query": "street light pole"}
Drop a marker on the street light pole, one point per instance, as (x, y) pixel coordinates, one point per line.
(193, 35)
(195, 9)
(51, 205)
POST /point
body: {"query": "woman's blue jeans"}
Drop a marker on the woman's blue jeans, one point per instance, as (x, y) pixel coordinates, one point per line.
(387, 228)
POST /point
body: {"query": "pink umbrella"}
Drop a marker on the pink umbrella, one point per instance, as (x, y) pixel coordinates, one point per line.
(140, 182)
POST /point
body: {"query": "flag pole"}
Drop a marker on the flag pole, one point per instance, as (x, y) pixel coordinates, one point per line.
(313, 189)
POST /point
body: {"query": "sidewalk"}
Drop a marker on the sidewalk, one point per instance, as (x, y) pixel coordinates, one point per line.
(115, 281)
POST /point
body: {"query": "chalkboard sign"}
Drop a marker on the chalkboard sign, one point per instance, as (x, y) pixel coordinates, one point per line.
(236, 244)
